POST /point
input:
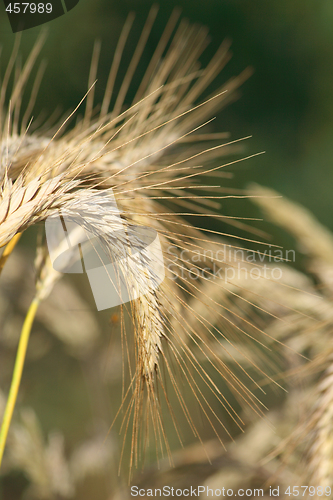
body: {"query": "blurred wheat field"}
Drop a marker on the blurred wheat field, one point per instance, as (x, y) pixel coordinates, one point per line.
(184, 370)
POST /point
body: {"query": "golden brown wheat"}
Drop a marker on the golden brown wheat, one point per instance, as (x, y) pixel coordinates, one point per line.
(161, 162)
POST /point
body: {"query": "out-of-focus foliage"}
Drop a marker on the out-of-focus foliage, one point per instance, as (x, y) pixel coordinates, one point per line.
(287, 104)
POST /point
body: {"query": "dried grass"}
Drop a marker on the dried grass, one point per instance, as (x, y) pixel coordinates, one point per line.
(189, 340)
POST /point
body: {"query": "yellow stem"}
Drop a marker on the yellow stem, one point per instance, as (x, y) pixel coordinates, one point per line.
(8, 250)
(17, 373)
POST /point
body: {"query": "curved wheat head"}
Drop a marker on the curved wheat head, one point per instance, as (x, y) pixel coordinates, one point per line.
(184, 339)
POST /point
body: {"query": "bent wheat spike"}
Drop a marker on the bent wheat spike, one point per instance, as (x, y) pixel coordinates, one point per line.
(160, 160)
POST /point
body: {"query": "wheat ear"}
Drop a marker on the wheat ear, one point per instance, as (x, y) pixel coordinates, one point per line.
(164, 167)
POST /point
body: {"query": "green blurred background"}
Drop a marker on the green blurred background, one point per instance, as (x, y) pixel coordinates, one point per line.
(287, 105)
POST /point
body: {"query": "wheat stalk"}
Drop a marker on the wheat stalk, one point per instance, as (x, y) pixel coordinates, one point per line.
(320, 456)
(17, 375)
